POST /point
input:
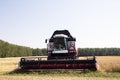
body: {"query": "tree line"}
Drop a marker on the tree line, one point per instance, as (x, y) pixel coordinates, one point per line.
(99, 51)
(12, 50)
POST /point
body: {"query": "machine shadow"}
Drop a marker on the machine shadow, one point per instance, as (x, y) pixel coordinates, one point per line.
(50, 71)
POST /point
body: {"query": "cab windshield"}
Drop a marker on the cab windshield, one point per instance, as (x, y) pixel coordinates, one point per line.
(60, 43)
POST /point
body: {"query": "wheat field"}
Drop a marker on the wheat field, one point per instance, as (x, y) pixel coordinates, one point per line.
(106, 64)
(109, 63)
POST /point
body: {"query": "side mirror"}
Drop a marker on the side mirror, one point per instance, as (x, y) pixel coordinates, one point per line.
(74, 39)
(45, 40)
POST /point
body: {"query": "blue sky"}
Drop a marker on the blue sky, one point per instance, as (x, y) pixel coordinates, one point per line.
(94, 23)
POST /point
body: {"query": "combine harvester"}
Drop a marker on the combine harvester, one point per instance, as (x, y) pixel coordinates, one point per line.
(62, 54)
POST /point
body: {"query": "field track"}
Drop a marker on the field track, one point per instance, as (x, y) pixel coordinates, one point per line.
(53, 78)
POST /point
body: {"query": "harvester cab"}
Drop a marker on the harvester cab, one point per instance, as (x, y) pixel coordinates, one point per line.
(62, 54)
(61, 45)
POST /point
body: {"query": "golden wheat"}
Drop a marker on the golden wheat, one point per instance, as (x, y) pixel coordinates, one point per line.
(8, 64)
(109, 63)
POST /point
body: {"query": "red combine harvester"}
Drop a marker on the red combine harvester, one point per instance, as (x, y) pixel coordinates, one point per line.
(62, 54)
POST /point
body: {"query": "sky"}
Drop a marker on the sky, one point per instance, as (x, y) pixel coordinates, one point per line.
(94, 23)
